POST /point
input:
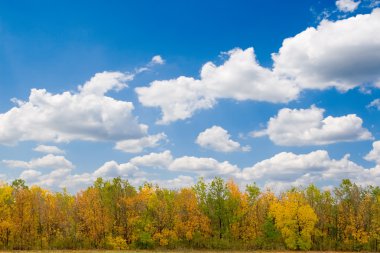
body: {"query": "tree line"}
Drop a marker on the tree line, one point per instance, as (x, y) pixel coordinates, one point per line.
(112, 214)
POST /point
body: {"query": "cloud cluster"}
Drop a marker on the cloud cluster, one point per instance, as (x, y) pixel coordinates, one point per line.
(60, 173)
(218, 139)
(240, 78)
(302, 127)
(49, 161)
(87, 115)
(288, 169)
(178, 98)
(341, 54)
(278, 172)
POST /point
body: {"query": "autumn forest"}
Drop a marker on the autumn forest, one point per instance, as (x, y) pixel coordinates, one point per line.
(216, 215)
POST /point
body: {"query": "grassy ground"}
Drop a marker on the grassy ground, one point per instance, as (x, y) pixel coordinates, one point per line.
(161, 251)
(134, 251)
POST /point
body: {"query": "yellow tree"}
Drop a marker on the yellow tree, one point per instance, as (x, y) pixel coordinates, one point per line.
(237, 206)
(161, 214)
(189, 221)
(63, 216)
(354, 215)
(295, 218)
(39, 212)
(375, 219)
(6, 207)
(138, 224)
(25, 232)
(322, 203)
(257, 227)
(93, 218)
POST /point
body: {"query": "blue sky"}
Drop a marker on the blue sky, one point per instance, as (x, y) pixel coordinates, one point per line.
(282, 93)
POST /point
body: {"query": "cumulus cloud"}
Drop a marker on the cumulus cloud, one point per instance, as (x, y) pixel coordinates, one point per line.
(103, 82)
(87, 115)
(49, 161)
(279, 172)
(218, 139)
(158, 160)
(374, 154)
(288, 169)
(157, 59)
(240, 77)
(114, 169)
(49, 149)
(203, 166)
(178, 98)
(30, 175)
(347, 5)
(301, 127)
(138, 145)
(343, 54)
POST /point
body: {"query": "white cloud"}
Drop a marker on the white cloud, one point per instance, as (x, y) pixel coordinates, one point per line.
(287, 166)
(240, 77)
(165, 161)
(288, 169)
(203, 166)
(49, 149)
(301, 127)
(218, 139)
(103, 82)
(158, 160)
(138, 145)
(157, 59)
(178, 98)
(347, 5)
(375, 103)
(30, 175)
(279, 172)
(343, 54)
(88, 115)
(46, 162)
(54, 178)
(113, 169)
(374, 154)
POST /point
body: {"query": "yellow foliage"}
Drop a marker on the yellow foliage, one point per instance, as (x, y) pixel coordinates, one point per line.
(117, 243)
(295, 218)
(188, 218)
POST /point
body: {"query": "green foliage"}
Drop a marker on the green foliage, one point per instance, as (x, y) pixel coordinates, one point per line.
(144, 241)
(271, 236)
(253, 192)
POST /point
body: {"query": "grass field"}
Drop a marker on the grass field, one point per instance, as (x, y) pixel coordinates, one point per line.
(159, 251)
